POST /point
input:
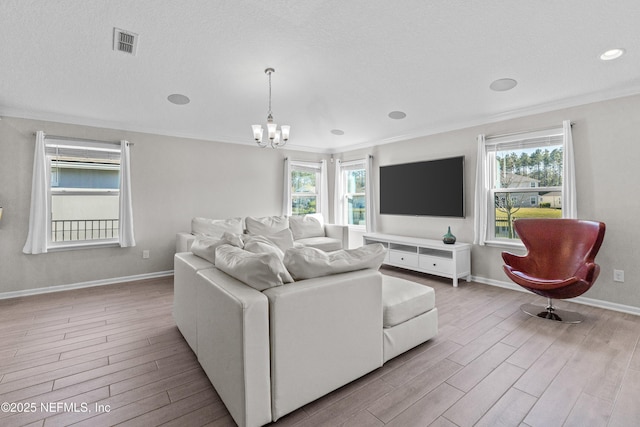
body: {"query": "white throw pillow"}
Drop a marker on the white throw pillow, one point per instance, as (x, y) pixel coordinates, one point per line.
(282, 239)
(305, 226)
(267, 225)
(262, 245)
(260, 271)
(205, 246)
(307, 262)
(216, 227)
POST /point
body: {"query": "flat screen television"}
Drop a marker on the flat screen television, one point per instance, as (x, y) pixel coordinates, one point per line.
(428, 188)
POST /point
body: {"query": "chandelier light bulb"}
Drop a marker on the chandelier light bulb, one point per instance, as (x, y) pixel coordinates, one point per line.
(257, 133)
(285, 132)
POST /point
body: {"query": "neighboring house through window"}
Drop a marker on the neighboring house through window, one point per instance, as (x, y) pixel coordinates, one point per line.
(81, 195)
(85, 192)
(522, 176)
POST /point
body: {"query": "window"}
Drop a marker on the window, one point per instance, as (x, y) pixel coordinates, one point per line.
(305, 188)
(351, 184)
(522, 176)
(304, 191)
(85, 192)
(80, 195)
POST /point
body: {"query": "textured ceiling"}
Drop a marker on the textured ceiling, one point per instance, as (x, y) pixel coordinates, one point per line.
(339, 64)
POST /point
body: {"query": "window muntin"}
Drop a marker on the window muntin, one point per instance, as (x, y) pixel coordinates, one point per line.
(526, 182)
(84, 193)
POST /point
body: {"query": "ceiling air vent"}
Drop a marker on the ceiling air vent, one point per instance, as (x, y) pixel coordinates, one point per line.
(125, 41)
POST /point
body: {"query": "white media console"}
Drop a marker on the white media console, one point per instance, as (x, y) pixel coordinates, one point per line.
(424, 255)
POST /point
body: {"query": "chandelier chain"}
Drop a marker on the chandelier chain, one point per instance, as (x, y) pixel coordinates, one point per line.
(270, 113)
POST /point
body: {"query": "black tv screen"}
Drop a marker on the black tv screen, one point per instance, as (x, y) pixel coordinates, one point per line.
(430, 188)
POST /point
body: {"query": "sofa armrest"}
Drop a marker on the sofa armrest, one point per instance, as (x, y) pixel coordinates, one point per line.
(325, 332)
(185, 268)
(340, 232)
(184, 241)
(233, 345)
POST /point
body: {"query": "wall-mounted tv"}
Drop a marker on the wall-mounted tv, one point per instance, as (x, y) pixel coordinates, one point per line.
(429, 188)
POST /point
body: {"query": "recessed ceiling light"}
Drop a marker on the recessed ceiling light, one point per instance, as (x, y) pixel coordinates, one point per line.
(612, 54)
(501, 85)
(337, 132)
(178, 99)
(397, 115)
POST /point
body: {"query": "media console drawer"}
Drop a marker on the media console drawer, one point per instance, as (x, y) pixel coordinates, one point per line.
(403, 258)
(436, 264)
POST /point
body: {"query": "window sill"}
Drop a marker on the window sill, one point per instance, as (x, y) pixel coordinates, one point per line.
(357, 227)
(504, 244)
(85, 245)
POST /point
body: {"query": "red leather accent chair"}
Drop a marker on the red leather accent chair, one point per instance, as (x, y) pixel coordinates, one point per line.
(559, 264)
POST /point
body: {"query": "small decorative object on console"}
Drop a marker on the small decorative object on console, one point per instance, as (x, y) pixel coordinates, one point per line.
(449, 238)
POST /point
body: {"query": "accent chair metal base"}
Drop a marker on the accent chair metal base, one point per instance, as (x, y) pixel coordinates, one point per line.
(551, 313)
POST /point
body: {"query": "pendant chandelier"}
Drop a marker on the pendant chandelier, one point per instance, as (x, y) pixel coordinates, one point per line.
(277, 137)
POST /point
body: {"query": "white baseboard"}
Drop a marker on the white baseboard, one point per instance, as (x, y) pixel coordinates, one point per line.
(580, 300)
(37, 291)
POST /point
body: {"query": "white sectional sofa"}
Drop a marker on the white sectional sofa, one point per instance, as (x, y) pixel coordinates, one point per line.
(271, 346)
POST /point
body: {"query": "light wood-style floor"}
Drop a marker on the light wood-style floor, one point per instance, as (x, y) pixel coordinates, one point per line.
(115, 353)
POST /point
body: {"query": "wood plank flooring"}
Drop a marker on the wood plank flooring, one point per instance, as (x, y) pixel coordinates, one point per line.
(112, 355)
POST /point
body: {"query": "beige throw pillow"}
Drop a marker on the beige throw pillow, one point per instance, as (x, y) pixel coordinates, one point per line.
(307, 262)
(260, 271)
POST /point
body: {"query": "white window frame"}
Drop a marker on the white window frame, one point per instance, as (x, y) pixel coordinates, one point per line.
(342, 193)
(486, 173)
(55, 148)
(319, 168)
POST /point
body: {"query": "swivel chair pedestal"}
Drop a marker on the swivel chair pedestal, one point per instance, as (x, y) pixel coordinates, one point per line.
(551, 313)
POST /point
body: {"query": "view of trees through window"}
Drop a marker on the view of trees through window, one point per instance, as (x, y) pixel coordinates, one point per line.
(528, 184)
(304, 195)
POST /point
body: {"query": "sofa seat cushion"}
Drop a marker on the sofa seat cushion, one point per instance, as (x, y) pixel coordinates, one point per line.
(403, 300)
(326, 244)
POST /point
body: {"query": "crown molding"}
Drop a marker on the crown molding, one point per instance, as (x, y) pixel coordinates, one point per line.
(423, 132)
(507, 115)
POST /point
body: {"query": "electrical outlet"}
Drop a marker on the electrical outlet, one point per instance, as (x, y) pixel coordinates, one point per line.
(618, 275)
(145, 254)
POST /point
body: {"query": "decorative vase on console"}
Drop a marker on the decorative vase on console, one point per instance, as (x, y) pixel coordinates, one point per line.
(449, 238)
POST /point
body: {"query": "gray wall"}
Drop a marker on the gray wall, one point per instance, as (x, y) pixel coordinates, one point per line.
(607, 153)
(173, 180)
